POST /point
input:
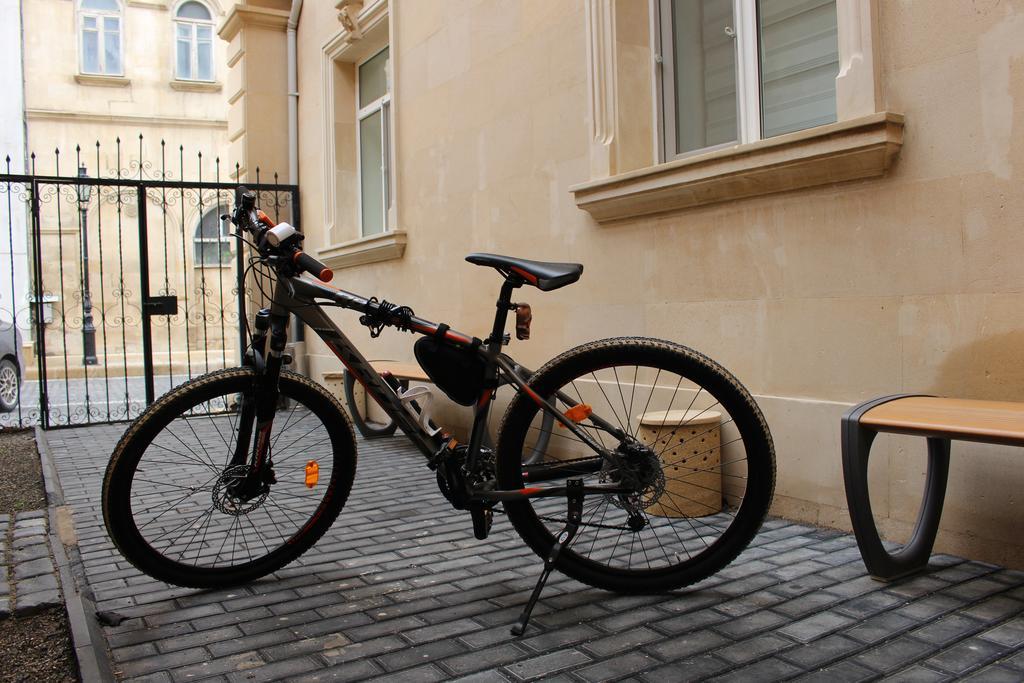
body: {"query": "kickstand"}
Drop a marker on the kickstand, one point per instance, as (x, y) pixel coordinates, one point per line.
(574, 493)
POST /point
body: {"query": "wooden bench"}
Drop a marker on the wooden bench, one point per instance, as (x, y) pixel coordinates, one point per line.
(940, 421)
(357, 405)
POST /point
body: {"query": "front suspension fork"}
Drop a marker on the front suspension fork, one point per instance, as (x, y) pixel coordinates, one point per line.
(258, 406)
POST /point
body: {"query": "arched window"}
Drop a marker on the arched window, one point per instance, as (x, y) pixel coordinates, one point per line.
(212, 240)
(99, 27)
(193, 40)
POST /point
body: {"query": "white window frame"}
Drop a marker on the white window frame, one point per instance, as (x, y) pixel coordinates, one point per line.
(100, 15)
(193, 25)
(748, 79)
(224, 240)
(382, 104)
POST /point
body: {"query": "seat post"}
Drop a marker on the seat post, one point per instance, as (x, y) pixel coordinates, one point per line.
(504, 305)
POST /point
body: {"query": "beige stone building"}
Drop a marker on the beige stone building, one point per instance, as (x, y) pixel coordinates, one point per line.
(138, 85)
(823, 195)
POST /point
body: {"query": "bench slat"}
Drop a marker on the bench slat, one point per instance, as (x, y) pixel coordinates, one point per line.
(969, 420)
(409, 371)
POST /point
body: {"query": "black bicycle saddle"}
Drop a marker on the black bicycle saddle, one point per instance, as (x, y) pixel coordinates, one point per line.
(541, 274)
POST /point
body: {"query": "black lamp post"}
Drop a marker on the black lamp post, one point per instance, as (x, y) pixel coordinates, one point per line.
(88, 328)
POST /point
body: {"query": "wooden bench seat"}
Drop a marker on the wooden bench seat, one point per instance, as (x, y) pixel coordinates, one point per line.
(939, 421)
(356, 398)
(408, 371)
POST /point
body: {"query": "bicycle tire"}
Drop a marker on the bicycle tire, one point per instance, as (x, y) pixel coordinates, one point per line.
(596, 565)
(367, 428)
(338, 466)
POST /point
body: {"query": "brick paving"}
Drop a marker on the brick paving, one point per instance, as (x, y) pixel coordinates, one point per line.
(399, 590)
(28, 578)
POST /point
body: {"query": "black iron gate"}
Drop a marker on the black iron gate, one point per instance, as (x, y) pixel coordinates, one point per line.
(120, 284)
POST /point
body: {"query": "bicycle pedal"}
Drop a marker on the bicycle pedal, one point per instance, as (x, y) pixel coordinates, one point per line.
(483, 518)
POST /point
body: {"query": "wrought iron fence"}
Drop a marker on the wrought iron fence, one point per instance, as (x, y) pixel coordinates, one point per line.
(123, 283)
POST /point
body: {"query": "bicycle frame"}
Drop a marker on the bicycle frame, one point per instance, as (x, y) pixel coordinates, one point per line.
(306, 299)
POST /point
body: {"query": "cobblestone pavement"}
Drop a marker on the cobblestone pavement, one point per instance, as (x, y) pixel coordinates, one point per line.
(400, 590)
(28, 579)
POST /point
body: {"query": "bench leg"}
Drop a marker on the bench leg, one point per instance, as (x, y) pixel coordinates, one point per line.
(912, 557)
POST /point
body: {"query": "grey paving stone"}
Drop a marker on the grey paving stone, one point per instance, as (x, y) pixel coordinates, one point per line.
(687, 645)
(948, 629)
(880, 627)
(686, 623)
(966, 655)
(753, 648)
(1008, 634)
(814, 627)
(750, 624)
(560, 637)
(31, 552)
(765, 670)
(163, 662)
(621, 642)
(917, 674)
(27, 570)
(29, 603)
(545, 665)
(418, 654)
(349, 671)
(894, 655)
(364, 649)
(614, 669)
(488, 658)
(244, 661)
(276, 671)
(995, 674)
(994, 609)
(872, 603)
(822, 652)
(694, 669)
(843, 672)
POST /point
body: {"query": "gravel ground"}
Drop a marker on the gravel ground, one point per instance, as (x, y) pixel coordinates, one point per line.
(21, 477)
(36, 647)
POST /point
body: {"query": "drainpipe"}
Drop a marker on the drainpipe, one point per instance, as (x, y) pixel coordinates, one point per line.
(293, 95)
(298, 331)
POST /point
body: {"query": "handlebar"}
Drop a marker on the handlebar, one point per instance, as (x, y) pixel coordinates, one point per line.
(247, 217)
(304, 261)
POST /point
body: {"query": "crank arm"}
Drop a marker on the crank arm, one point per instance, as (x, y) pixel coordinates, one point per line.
(544, 492)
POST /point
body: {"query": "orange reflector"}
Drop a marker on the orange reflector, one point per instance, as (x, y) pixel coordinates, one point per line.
(312, 473)
(578, 413)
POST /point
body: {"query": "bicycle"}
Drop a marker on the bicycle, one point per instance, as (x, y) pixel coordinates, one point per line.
(256, 462)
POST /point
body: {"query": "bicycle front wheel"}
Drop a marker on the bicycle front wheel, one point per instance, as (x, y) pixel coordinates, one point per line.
(171, 498)
(676, 429)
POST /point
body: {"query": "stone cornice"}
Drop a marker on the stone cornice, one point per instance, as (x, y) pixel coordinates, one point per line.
(182, 122)
(241, 16)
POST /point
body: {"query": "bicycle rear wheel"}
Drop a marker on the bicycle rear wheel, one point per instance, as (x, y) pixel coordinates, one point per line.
(169, 494)
(677, 429)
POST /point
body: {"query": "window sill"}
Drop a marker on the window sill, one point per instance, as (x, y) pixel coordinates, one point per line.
(848, 150)
(383, 247)
(103, 80)
(196, 86)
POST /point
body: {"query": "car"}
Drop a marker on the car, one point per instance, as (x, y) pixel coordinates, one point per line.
(10, 366)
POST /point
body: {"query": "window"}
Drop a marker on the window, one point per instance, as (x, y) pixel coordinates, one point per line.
(373, 104)
(742, 70)
(212, 241)
(99, 23)
(193, 42)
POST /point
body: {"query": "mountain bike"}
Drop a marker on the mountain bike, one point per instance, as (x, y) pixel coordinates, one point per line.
(631, 464)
